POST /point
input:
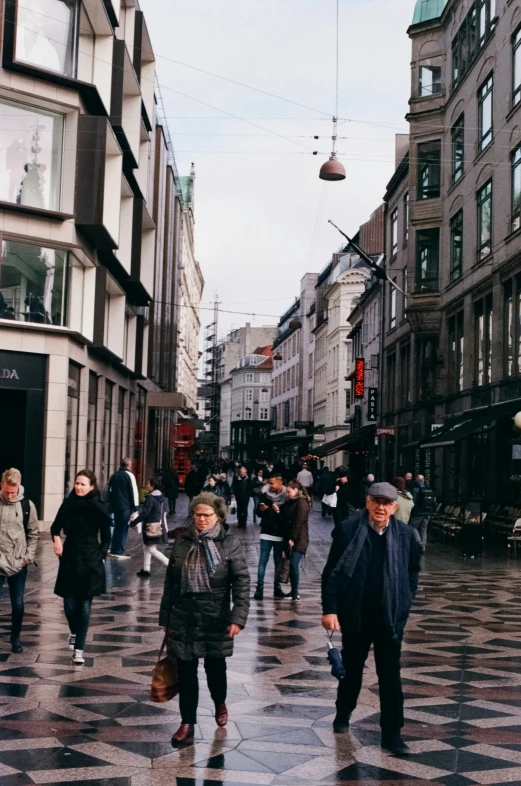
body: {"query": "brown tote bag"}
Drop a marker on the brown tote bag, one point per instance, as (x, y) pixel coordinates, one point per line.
(165, 679)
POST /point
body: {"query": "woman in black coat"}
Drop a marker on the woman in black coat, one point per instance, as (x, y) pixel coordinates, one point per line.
(85, 521)
(205, 604)
(152, 515)
(296, 513)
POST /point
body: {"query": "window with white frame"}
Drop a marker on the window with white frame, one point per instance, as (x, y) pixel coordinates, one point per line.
(249, 377)
(248, 396)
(264, 413)
(265, 395)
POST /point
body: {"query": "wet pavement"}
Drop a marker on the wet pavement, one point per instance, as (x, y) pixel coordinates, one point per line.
(94, 724)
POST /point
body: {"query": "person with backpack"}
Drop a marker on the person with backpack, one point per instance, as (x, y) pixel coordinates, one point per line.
(19, 536)
(153, 526)
(424, 506)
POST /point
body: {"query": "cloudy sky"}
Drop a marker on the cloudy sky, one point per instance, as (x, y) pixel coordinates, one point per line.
(261, 210)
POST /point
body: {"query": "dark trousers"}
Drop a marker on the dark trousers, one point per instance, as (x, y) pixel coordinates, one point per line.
(171, 503)
(16, 586)
(215, 669)
(242, 512)
(326, 510)
(265, 550)
(120, 534)
(77, 611)
(387, 653)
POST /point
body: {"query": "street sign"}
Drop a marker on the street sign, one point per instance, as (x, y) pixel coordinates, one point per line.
(386, 432)
(304, 424)
(372, 405)
(359, 378)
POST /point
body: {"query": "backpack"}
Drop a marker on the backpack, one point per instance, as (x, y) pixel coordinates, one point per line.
(426, 500)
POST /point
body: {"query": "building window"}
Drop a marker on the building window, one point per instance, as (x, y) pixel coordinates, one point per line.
(427, 260)
(248, 396)
(392, 307)
(249, 377)
(429, 170)
(430, 80)
(516, 68)
(32, 283)
(485, 221)
(485, 113)
(391, 381)
(31, 141)
(405, 375)
(406, 217)
(471, 37)
(483, 327)
(516, 189)
(426, 352)
(512, 326)
(91, 420)
(394, 232)
(456, 246)
(71, 436)
(265, 395)
(456, 350)
(46, 35)
(264, 413)
(248, 413)
(107, 433)
(458, 149)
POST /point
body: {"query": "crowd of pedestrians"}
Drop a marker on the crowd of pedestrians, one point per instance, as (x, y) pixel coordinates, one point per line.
(368, 583)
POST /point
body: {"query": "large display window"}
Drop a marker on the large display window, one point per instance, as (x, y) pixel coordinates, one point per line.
(47, 34)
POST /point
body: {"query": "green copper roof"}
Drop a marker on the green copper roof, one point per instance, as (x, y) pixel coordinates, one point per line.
(428, 9)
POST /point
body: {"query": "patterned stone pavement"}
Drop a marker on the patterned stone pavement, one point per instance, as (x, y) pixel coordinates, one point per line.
(95, 724)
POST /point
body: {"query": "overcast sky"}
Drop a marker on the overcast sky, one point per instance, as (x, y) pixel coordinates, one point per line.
(261, 211)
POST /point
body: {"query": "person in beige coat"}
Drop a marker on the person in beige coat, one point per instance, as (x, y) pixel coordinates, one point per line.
(405, 501)
(19, 536)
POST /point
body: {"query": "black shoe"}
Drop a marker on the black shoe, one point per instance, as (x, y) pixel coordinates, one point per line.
(278, 592)
(341, 723)
(259, 592)
(393, 742)
(143, 574)
(16, 646)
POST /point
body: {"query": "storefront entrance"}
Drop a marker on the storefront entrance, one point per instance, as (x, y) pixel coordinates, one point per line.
(22, 383)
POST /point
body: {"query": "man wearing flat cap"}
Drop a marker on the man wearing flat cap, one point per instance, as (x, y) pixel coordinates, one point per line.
(368, 587)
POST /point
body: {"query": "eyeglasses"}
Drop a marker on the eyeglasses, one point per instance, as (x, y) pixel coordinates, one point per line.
(386, 503)
(203, 515)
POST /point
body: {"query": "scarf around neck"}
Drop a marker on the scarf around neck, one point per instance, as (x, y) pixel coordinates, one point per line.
(277, 499)
(202, 560)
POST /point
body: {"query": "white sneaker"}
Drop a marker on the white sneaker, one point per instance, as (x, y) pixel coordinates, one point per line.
(72, 641)
(78, 657)
(121, 556)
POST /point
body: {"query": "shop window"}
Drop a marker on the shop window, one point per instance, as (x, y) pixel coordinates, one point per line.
(485, 113)
(46, 35)
(107, 432)
(483, 340)
(458, 149)
(456, 351)
(484, 199)
(456, 246)
(33, 283)
(31, 142)
(430, 80)
(429, 170)
(427, 260)
(516, 189)
(91, 420)
(71, 437)
(512, 326)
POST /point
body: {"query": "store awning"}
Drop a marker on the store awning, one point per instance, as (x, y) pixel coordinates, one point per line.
(333, 447)
(473, 422)
(289, 439)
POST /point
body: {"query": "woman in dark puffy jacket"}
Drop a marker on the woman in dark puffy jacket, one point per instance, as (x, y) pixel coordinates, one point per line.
(154, 528)
(220, 489)
(85, 521)
(205, 604)
(296, 512)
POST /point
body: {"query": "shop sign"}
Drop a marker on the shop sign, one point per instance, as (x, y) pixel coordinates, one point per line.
(357, 424)
(9, 373)
(319, 438)
(22, 371)
(386, 432)
(304, 424)
(428, 468)
(372, 405)
(436, 427)
(359, 378)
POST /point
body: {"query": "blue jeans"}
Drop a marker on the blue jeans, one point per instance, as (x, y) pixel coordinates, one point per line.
(294, 572)
(265, 550)
(77, 611)
(16, 586)
(119, 538)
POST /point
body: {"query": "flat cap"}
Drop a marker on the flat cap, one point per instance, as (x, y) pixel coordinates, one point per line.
(383, 490)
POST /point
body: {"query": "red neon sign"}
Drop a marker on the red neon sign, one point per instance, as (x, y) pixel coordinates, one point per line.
(359, 378)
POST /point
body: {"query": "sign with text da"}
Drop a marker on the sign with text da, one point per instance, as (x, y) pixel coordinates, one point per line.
(359, 378)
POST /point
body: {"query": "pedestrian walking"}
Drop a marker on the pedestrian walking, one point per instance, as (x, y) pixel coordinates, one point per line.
(206, 568)
(258, 483)
(193, 485)
(85, 522)
(242, 491)
(326, 491)
(347, 502)
(272, 533)
(154, 529)
(296, 512)
(19, 536)
(368, 586)
(124, 501)
(409, 482)
(305, 477)
(224, 489)
(171, 488)
(215, 486)
(424, 505)
(367, 483)
(405, 501)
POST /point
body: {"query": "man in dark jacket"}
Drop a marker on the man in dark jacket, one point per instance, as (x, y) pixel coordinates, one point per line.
(368, 587)
(124, 501)
(347, 504)
(242, 491)
(273, 525)
(193, 485)
(326, 487)
(171, 488)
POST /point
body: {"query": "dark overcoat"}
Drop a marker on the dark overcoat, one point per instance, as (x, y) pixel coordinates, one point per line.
(85, 521)
(197, 623)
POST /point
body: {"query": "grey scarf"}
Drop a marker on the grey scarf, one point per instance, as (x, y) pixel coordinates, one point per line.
(202, 560)
(277, 499)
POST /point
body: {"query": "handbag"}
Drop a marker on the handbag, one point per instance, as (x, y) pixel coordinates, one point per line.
(283, 571)
(155, 528)
(165, 678)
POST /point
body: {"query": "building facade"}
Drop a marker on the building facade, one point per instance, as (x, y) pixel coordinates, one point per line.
(251, 405)
(85, 181)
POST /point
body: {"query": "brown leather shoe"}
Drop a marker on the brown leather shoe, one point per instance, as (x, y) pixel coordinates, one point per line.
(221, 714)
(184, 735)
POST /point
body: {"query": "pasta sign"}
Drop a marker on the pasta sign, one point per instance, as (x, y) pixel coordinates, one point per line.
(360, 378)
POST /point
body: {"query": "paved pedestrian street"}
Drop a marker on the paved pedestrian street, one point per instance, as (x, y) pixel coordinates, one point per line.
(95, 724)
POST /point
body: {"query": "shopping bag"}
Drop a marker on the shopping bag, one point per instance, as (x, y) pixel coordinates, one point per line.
(165, 679)
(283, 571)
